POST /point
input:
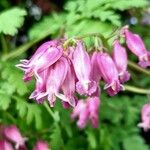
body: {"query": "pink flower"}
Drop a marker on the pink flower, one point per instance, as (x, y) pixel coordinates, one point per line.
(68, 86)
(93, 107)
(46, 55)
(86, 110)
(40, 86)
(82, 66)
(145, 116)
(4, 145)
(95, 73)
(13, 134)
(109, 73)
(41, 145)
(137, 47)
(121, 60)
(55, 80)
(81, 111)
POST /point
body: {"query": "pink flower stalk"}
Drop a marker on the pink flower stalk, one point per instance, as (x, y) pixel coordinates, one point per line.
(137, 47)
(109, 73)
(121, 60)
(93, 107)
(82, 66)
(4, 145)
(13, 134)
(41, 145)
(145, 116)
(46, 55)
(86, 111)
(55, 80)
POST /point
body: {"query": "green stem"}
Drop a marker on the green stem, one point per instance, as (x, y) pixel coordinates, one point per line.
(50, 111)
(136, 89)
(4, 44)
(138, 68)
(24, 47)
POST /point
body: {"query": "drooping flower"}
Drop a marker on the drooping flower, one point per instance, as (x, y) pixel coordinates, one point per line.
(81, 112)
(121, 60)
(41, 145)
(82, 66)
(68, 86)
(55, 80)
(86, 110)
(145, 116)
(137, 47)
(4, 145)
(109, 73)
(40, 86)
(46, 55)
(93, 107)
(13, 134)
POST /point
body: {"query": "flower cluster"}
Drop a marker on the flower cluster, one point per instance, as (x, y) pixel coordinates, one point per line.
(63, 71)
(11, 138)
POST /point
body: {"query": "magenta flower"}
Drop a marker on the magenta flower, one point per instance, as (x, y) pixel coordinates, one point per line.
(82, 67)
(55, 80)
(93, 107)
(13, 134)
(109, 73)
(4, 145)
(41, 145)
(121, 60)
(46, 55)
(137, 47)
(145, 116)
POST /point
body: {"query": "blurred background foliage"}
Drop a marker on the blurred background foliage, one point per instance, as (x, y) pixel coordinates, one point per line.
(24, 25)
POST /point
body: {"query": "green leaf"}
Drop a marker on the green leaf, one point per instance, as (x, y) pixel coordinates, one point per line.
(11, 20)
(55, 137)
(5, 100)
(134, 143)
(50, 24)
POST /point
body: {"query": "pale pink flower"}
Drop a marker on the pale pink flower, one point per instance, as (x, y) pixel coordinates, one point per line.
(81, 112)
(109, 73)
(93, 107)
(145, 116)
(46, 55)
(4, 145)
(41, 145)
(13, 134)
(82, 66)
(121, 61)
(137, 47)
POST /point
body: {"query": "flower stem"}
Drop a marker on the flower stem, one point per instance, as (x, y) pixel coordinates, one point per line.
(52, 114)
(136, 89)
(4, 44)
(24, 47)
(138, 68)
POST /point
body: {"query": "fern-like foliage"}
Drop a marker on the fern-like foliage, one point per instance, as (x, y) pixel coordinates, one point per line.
(11, 20)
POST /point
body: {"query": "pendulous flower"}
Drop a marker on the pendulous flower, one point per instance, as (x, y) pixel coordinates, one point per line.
(82, 66)
(137, 47)
(145, 116)
(121, 60)
(109, 73)
(41, 145)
